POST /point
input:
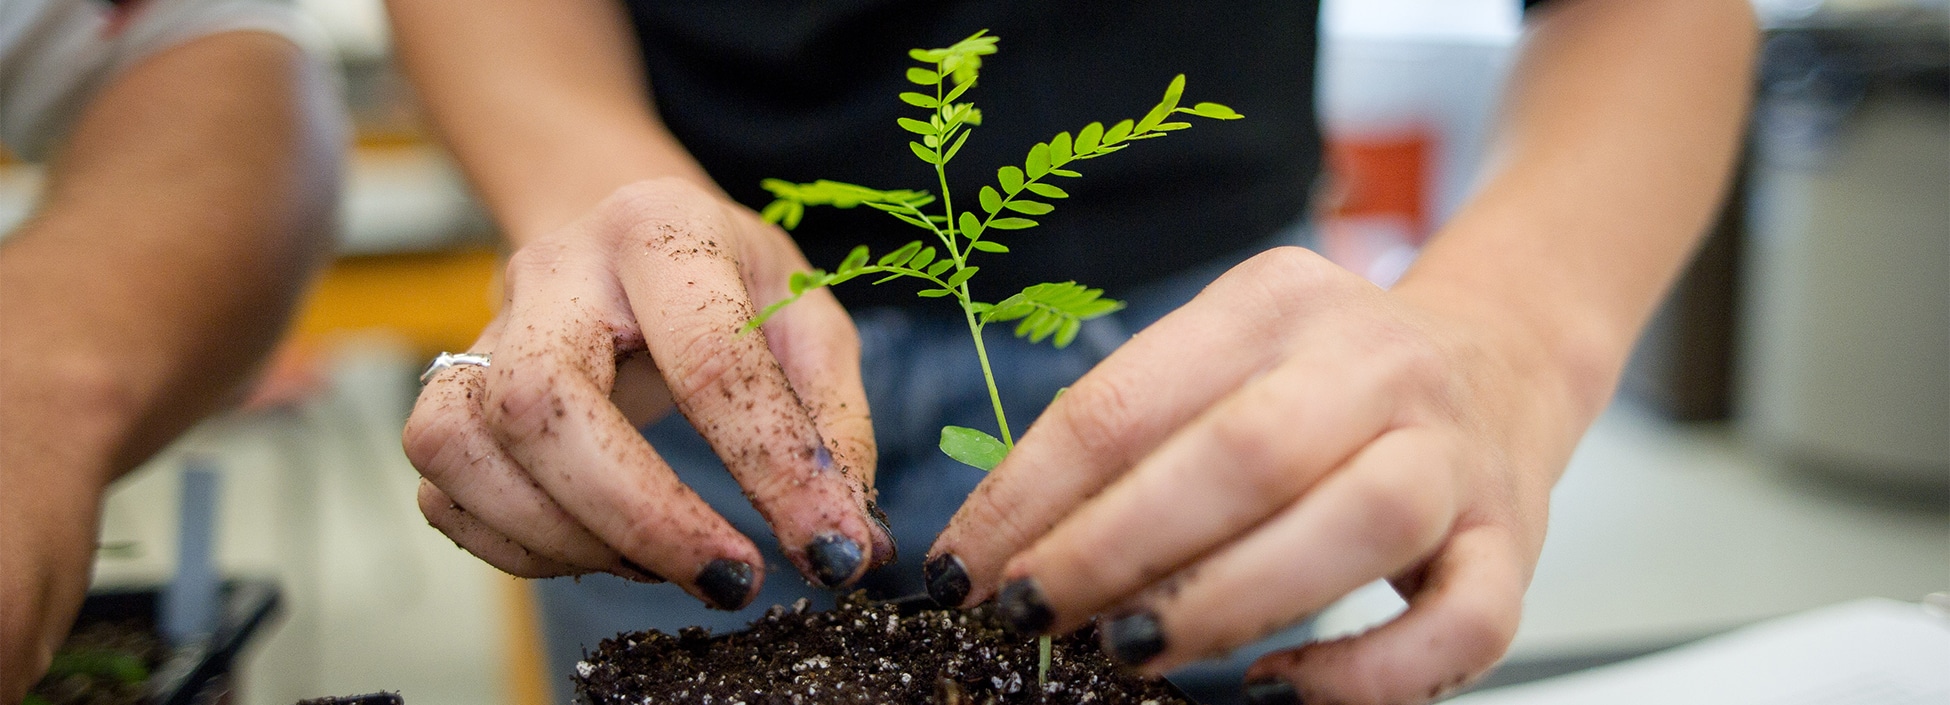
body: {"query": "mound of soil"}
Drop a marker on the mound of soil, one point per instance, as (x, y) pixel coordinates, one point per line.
(860, 652)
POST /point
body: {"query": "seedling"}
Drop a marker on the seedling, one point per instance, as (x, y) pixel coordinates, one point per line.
(1050, 311)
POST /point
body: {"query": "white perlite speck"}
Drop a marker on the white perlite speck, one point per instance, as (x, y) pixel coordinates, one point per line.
(585, 669)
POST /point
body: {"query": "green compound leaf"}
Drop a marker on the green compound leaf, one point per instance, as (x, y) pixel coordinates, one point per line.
(972, 447)
(923, 77)
(991, 201)
(1057, 309)
(1030, 207)
(1012, 223)
(1010, 178)
(990, 246)
(933, 293)
(1088, 137)
(920, 100)
(935, 270)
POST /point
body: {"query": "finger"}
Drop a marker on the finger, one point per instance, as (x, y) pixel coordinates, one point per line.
(548, 406)
(1386, 510)
(490, 545)
(680, 266)
(1124, 408)
(1455, 629)
(1248, 457)
(448, 441)
(818, 347)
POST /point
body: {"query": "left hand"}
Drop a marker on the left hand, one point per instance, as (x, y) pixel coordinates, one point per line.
(1289, 435)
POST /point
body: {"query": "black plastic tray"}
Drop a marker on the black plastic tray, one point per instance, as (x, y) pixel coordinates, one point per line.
(188, 671)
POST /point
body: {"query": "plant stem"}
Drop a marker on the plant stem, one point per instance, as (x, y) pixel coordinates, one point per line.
(988, 375)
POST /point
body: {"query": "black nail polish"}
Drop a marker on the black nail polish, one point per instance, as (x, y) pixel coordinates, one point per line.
(727, 583)
(646, 574)
(1134, 638)
(894, 548)
(947, 580)
(1270, 692)
(1022, 606)
(833, 558)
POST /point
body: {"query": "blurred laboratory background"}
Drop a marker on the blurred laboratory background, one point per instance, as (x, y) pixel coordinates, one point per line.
(1782, 440)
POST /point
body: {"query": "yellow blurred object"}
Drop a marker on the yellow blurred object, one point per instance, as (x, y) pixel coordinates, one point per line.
(437, 301)
(526, 667)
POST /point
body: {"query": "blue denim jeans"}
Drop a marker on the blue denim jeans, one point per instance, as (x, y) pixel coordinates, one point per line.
(920, 373)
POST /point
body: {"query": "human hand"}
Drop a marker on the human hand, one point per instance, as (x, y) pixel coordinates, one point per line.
(47, 543)
(534, 465)
(1287, 436)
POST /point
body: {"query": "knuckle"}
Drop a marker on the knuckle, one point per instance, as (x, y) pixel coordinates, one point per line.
(430, 436)
(534, 260)
(1250, 442)
(1289, 275)
(703, 365)
(525, 399)
(668, 211)
(1482, 632)
(1100, 417)
(1400, 516)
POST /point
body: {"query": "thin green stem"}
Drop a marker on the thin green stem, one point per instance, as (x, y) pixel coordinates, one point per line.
(988, 375)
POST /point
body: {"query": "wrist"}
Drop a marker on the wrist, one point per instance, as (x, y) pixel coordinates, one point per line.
(1570, 359)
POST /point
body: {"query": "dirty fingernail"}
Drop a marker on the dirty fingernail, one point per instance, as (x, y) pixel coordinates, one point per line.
(727, 583)
(643, 575)
(833, 557)
(1022, 606)
(1270, 692)
(947, 580)
(1134, 638)
(885, 550)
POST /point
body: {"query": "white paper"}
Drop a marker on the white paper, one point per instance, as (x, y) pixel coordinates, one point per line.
(1867, 652)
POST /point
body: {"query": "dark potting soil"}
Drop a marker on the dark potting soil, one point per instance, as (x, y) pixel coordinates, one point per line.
(102, 663)
(860, 652)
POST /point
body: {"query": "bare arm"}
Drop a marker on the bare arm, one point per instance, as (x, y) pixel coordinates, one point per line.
(544, 102)
(185, 215)
(1621, 125)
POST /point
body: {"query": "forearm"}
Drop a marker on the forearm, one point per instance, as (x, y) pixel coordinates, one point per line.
(545, 103)
(187, 212)
(1620, 125)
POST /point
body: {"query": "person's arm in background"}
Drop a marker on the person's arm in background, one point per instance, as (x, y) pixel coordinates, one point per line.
(1294, 432)
(189, 208)
(623, 246)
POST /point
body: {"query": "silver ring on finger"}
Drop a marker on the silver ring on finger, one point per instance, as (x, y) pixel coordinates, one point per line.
(446, 359)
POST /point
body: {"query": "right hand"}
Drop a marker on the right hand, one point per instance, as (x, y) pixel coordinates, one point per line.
(534, 465)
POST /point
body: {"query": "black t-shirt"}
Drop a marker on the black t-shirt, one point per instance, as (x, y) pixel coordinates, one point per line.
(806, 90)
